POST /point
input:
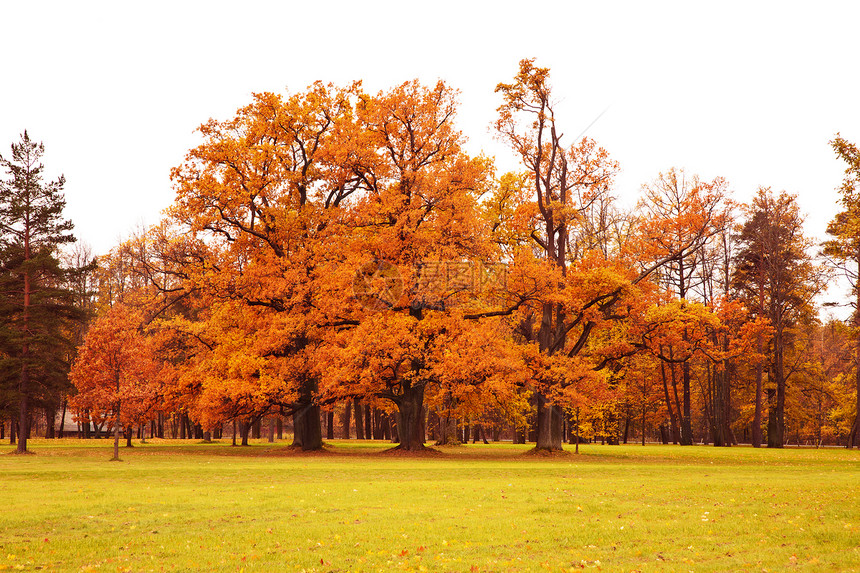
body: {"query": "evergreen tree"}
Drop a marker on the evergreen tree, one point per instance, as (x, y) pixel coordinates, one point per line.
(34, 303)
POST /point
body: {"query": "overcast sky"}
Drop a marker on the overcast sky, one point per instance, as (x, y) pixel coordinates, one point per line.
(751, 91)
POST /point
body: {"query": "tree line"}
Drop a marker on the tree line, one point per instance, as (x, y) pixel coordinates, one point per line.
(333, 252)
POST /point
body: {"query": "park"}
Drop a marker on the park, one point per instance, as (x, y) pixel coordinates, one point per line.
(380, 318)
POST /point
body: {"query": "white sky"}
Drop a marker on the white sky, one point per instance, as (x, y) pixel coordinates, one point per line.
(751, 91)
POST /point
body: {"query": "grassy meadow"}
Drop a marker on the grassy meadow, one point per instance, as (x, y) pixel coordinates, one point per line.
(184, 506)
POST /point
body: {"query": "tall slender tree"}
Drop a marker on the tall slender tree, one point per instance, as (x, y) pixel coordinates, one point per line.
(843, 249)
(34, 301)
(777, 279)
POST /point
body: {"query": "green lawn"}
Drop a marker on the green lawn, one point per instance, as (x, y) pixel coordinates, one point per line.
(185, 506)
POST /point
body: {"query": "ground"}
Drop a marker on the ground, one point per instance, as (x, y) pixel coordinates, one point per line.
(181, 506)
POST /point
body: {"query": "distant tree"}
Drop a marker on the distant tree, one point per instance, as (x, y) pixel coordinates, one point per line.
(683, 211)
(33, 299)
(115, 370)
(776, 278)
(844, 249)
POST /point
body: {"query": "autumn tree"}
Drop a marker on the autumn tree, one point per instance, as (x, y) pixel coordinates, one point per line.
(34, 302)
(777, 280)
(414, 232)
(592, 287)
(254, 206)
(843, 250)
(679, 210)
(115, 369)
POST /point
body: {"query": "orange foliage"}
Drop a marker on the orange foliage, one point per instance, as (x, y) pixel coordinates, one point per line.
(115, 370)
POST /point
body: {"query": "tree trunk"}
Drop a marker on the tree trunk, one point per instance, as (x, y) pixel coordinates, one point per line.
(854, 438)
(549, 425)
(479, 429)
(62, 420)
(306, 428)
(24, 405)
(394, 427)
(448, 433)
(359, 421)
(384, 425)
(686, 418)
(673, 422)
(519, 436)
(626, 427)
(347, 415)
(50, 423)
(329, 434)
(779, 349)
(410, 427)
(115, 457)
(853, 433)
(759, 391)
(772, 430)
(244, 430)
(377, 424)
(722, 405)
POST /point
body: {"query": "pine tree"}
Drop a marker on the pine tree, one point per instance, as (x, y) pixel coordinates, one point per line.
(33, 301)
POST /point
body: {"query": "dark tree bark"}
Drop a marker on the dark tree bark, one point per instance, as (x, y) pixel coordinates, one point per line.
(394, 427)
(384, 426)
(359, 421)
(773, 438)
(307, 430)
(448, 431)
(116, 426)
(245, 430)
(549, 426)
(345, 418)
(329, 425)
(410, 427)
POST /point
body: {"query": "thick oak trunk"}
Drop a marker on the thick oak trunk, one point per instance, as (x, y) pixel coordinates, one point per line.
(307, 431)
(410, 427)
(549, 423)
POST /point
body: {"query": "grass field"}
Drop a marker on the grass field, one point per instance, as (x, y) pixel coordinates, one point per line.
(172, 506)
